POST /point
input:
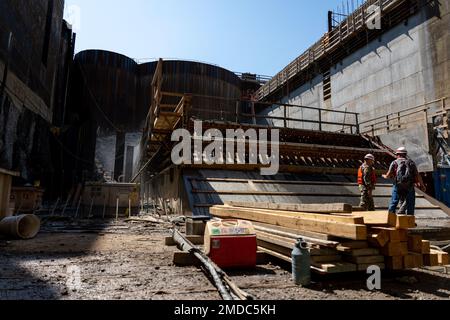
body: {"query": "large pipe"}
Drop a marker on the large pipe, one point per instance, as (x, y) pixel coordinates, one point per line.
(20, 227)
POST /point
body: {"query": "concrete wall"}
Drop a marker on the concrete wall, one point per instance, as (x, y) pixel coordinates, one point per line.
(105, 152)
(408, 66)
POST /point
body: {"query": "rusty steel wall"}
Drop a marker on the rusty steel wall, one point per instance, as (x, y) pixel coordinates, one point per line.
(146, 72)
(215, 90)
(107, 84)
(117, 90)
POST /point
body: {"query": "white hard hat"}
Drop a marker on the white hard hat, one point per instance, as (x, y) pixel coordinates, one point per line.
(370, 157)
(402, 150)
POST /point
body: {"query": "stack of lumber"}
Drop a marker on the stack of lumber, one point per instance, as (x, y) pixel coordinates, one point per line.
(340, 240)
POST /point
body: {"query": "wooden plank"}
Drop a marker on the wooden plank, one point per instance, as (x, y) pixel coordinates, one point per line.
(325, 259)
(351, 245)
(426, 247)
(363, 252)
(413, 261)
(415, 243)
(315, 216)
(344, 230)
(394, 263)
(394, 234)
(275, 247)
(312, 208)
(395, 249)
(382, 218)
(419, 259)
(431, 260)
(295, 236)
(336, 267)
(403, 235)
(409, 262)
(365, 259)
(443, 258)
(196, 240)
(310, 234)
(275, 254)
(322, 251)
(379, 239)
(405, 222)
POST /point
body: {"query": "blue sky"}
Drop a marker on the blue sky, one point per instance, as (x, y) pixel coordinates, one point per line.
(258, 36)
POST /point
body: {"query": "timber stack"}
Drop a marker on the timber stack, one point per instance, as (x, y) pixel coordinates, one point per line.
(340, 239)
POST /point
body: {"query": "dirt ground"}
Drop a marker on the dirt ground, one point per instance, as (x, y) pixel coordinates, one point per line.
(128, 260)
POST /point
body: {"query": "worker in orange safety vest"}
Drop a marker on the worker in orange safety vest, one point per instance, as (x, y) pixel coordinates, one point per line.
(367, 179)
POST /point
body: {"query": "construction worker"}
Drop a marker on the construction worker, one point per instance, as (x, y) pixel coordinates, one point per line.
(406, 176)
(367, 180)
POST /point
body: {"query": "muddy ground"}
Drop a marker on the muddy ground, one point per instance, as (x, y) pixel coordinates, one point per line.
(128, 260)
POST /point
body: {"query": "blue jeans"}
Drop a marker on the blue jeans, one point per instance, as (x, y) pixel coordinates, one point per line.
(406, 199)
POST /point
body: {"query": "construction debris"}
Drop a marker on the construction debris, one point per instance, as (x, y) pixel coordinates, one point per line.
(227, 289)
(362, 239)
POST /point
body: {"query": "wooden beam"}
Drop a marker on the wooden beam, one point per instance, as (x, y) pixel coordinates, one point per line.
(315, 216)
(325, 259)
(283, 242)
(405, 222)
(310, 208)
(415, 243)
(382, 218)
(395, 249)
(326, 240)
(293, 237)
(363, 252)
(443, 258)
(365, 259)
(321, 251)
(394, 235)
(413, 261)
(379, 239)
(431, 260)
(344, 230)
(426, 247)
(281, 249)
(394, 263)
(336, 267)
(353, 245)
(275, 254)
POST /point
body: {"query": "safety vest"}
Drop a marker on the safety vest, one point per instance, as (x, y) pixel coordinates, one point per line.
(373, 177)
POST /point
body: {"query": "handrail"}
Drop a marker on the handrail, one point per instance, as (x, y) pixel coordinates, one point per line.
(318, 118)
(420, 106)
(325, 44)
(394, 119)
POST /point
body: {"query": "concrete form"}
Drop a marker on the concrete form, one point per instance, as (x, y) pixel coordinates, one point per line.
(406, 66)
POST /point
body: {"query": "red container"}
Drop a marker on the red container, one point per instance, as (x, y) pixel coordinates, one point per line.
(234, 251)
(231, 243)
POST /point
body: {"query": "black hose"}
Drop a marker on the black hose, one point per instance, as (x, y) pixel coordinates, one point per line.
(213, 270)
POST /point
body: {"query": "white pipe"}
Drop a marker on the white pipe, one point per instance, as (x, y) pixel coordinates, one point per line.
(22, 227)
